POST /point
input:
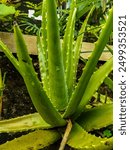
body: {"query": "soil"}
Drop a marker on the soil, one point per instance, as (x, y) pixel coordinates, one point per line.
(16, 100)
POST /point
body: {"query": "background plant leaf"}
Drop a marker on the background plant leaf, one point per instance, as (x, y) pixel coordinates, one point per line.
(6, 10)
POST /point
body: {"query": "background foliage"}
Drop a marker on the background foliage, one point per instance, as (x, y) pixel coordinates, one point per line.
(31, 25)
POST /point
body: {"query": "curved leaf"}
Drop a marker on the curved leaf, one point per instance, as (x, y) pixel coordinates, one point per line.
(96, 118)
(24, 123)
(82, 140)
(96, 80)
(35, 140)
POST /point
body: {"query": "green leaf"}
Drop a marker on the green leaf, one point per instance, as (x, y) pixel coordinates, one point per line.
(85, 6)
(78, 44)
(96, 80)
(58, 86)
(35, 140)
(43, 51)
(6, 10)
(67, 48)
(22, 51)
(96, 118)
(43, 65)
(82, 140)
(90, 67)
(24, 123)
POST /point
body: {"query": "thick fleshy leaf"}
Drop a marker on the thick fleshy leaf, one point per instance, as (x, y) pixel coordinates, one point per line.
(96, 80)
(58, 86)
(35, 140)
(24, 123)
(43, 65)
(82, 140)
(68, 47)
(42, 49)
(22, 51)
(78, 45)
(96, 118)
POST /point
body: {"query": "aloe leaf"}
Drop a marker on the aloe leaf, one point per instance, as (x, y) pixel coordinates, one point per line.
(108, 81)
(69, 33)
(96, 118)
(23, 55)
(44, 28)
(90, 67)
(35, 140)
(42, 50)
(24, 123)
(67, 47)
(58, 87)
(96, 80)
(43, 65)
(82, 140)
(78, 45)
(35, 89)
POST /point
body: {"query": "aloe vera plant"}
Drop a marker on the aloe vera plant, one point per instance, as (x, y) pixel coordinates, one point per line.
(60, 101)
